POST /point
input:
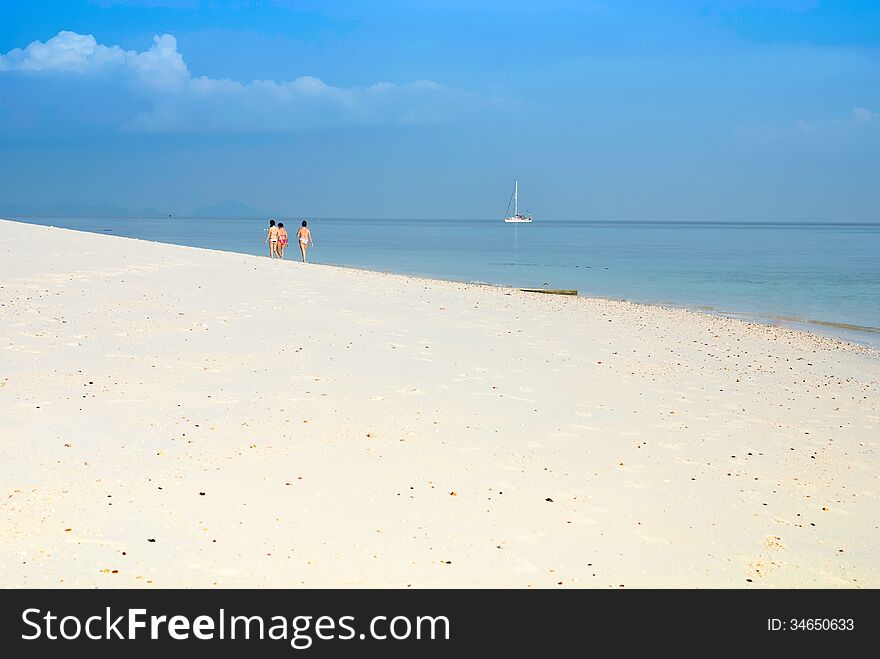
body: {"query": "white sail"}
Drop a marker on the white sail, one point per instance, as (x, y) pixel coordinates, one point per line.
(516, 217)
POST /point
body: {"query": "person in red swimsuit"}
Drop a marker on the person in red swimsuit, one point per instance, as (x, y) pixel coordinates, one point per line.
(282, 239)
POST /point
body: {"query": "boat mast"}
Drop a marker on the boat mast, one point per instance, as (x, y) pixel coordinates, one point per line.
(516, 198)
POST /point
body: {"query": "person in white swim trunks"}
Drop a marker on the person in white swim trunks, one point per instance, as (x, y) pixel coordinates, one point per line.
(272, 239)
(304, 236)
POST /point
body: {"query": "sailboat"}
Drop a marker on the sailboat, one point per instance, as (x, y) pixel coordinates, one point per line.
(516, 217)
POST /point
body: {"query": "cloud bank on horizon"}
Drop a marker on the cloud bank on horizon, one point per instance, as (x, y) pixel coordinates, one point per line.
(178, 101)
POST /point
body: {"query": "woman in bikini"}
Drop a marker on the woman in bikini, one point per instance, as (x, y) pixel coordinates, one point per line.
(305, 238)
(272, 239)
(282, 239)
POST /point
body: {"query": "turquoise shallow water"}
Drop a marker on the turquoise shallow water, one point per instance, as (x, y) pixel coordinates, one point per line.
(781, 272)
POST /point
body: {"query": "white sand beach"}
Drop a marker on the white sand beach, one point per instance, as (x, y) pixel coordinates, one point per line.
(179, 417)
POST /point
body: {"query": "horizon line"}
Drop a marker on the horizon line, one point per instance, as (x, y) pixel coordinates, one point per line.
(441, 219)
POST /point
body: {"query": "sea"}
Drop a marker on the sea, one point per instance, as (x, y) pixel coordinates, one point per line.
(819, 276)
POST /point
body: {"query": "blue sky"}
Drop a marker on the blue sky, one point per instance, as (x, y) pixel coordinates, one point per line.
(632, 109)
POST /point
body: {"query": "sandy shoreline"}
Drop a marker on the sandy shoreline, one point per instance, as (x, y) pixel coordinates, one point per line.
(858, 334)
(184, 417)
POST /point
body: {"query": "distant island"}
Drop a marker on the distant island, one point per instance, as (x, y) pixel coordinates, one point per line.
(226, 209)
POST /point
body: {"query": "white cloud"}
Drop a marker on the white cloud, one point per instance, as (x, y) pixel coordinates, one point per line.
(857, 116)
(67, 51)
(176, 100)
(850, 127)
(161, 66)
(864, 116)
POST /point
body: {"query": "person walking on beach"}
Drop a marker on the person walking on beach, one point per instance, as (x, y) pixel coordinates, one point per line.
(282, 239)
(272, 239)
(304, 236)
